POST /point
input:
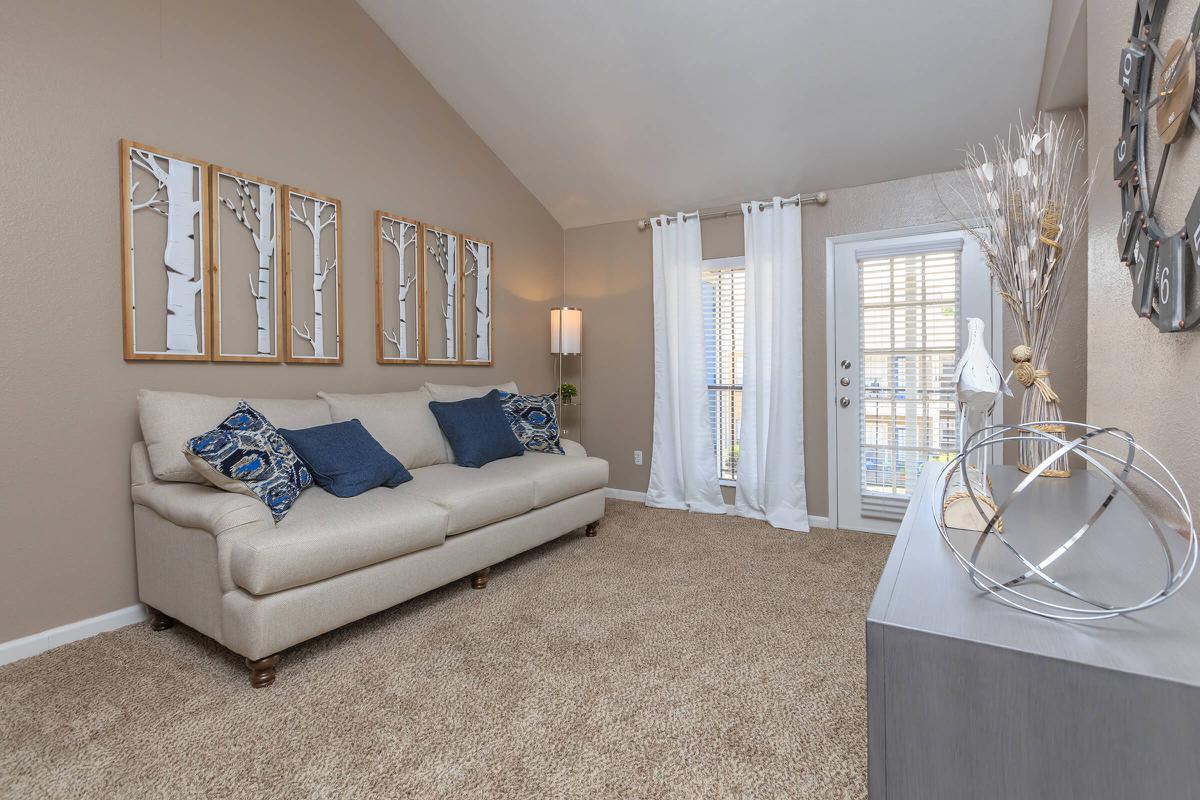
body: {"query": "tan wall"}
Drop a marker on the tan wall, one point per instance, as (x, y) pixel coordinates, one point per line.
(1138, 379)
(303, 91)
(609, 276)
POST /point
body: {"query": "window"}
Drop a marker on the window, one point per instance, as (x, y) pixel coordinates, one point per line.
(724, 293)
(910, 310)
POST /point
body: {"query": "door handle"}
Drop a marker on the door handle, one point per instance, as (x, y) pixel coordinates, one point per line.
(844, 402)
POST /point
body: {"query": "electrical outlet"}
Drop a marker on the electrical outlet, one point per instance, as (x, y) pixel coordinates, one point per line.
(637, 457)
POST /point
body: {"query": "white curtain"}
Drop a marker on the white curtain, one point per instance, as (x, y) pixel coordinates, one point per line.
(770, 475)
(683, 463)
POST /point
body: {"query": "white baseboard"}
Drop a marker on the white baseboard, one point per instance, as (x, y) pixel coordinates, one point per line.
(625, 494)
(640, 497)
(36, 643)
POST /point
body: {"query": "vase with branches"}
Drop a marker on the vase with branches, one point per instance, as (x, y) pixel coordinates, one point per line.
(1031, 202)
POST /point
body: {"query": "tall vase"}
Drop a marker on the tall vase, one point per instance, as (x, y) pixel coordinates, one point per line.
(1039, 409)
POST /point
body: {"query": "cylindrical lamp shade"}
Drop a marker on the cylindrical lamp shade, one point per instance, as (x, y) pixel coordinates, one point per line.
(566, 331)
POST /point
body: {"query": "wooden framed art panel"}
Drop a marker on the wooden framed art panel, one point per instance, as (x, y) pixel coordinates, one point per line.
(441, 331)
(312, 254)
(247, 284)
(165, 252)
(399, 289)
(478, 259)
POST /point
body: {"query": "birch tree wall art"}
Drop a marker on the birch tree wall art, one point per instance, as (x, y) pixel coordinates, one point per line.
(246, 286)
(399, 306)
(312, 270)
(478, 270)
(442, 286)
(164, 254)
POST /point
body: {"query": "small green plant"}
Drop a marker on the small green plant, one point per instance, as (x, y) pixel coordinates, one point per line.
(568, 392)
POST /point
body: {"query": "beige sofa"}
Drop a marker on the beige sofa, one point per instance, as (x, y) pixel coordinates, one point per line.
(216, 561)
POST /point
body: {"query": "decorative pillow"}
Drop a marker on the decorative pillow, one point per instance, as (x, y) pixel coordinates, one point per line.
(532, 419)
(478, 430)
(246, 454)
(344, 459)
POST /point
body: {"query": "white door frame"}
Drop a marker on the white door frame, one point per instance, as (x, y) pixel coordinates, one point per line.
(997, 337)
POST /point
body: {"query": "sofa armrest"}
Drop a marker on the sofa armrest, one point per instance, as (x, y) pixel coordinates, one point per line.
(192, 505)
(572, 448)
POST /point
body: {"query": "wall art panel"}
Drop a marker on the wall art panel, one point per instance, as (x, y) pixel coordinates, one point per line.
(442, 287)
(312, 277)
(164, 242)
(399, 305)
(247, 285)
(478, 260)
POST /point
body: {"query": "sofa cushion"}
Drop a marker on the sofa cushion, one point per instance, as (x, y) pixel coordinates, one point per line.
(534, 421)
(477, 429)
(450, 393)
(553, 477)
(324, 536)
(248, 455)
(400, 421)
(472, 497)
(344, 459)
(169, 419)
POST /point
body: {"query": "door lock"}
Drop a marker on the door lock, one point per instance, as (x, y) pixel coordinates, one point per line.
(844, 402)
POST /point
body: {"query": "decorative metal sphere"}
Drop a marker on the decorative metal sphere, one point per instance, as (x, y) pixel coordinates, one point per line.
(1001, 560)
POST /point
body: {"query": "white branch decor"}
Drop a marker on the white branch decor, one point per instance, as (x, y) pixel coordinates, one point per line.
(1034, 206)
(480, 267)
(177, 197)
(400, 234)
(444, 251)
(257, 216)
(315, 214)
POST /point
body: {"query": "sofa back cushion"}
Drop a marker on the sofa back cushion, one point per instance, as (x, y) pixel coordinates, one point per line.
(400, 421)
(452, 393)
(169, 419)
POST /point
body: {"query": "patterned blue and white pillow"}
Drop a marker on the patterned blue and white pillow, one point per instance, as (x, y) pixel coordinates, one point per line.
(532, 419)
(246, 454)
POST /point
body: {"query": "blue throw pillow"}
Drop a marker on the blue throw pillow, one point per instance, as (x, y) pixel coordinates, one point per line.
(478, 429)
(246, 454)
(532, 419)
(344, 459)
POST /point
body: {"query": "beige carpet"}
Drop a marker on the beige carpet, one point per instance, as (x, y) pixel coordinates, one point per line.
(674, 655)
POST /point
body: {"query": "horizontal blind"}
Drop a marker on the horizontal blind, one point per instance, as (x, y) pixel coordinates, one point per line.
(909, 310)
(724, 293)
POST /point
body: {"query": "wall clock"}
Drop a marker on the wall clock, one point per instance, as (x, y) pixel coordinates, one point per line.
(1158, 81)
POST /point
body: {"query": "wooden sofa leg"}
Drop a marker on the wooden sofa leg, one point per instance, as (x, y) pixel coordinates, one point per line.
(262, 671)
(592, 528)
(479, 579)
(159, 621)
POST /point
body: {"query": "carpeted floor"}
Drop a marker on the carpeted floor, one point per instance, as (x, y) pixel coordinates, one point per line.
(674, 655)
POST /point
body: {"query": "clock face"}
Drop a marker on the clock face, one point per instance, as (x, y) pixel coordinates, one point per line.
(1159, 87)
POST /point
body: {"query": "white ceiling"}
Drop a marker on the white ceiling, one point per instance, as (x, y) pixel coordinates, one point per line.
(609, 109)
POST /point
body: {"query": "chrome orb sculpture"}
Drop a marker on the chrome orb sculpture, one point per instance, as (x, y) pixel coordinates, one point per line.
(1048, 583)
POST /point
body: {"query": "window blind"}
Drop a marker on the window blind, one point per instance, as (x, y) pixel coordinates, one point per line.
(909, 312)
(724, 295)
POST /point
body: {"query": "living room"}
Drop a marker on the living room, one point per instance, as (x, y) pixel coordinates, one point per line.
(604, 399)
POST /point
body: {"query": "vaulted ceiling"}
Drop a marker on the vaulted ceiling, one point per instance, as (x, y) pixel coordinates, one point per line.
(609, 109)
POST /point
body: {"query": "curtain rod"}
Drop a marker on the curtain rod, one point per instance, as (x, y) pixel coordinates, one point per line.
(820, 198)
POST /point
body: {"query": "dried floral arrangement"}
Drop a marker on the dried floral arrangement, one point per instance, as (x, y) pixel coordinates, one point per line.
(1028, 195)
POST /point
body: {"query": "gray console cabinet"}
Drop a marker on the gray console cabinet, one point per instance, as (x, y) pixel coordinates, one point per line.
(968, 698)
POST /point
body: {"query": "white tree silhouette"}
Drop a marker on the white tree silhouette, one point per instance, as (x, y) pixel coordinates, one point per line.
(321, 269)
(444, 255)
(263, 236)
(400, 241)
(481, 255)
(181, 208)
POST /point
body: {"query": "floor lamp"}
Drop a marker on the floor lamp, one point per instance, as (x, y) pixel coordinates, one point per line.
(566, 339)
